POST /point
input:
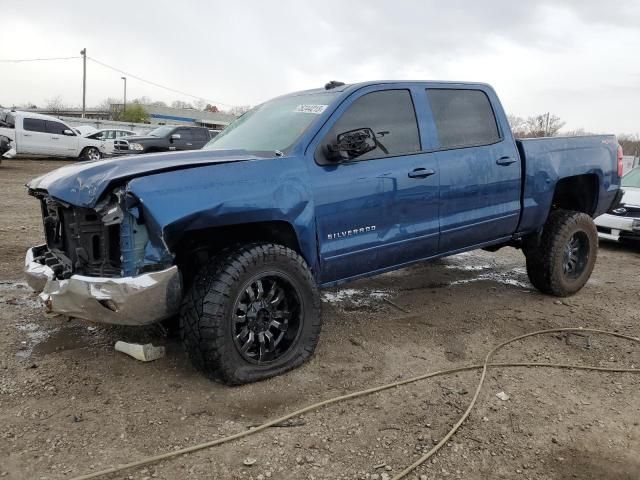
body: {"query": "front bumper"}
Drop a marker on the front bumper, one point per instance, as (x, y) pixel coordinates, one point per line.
(614, 227)
(140, 300)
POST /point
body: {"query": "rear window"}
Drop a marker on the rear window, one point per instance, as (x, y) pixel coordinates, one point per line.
(34, 125)
(55, 127)
(463, 118)
(200, 134)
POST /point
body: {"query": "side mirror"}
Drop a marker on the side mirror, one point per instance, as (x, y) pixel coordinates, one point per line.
(69, 133)
(352, 144)
(175, 136)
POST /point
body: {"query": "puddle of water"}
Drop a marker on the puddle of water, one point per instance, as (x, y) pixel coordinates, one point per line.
(502, 278)
(59, 340)
(36, 334)
(469, 268)
(13, 286)
(355, 296)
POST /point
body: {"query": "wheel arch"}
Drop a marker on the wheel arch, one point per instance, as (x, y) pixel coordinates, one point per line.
(578, 193)
(196, 247)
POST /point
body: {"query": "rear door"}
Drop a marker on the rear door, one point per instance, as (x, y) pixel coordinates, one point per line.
(200, 137)
(185, 142)
(379, 209)
(33, 138)
(479, 167)
(62, 145)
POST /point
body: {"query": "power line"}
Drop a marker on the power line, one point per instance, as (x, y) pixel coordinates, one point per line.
(197, 97)
(21, 60)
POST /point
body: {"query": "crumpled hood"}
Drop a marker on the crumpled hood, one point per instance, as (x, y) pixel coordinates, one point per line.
(82, 184)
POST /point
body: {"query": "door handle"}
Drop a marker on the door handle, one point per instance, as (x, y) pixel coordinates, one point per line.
(55, 138)
(26, 134)
(421, 173)
(505, 161)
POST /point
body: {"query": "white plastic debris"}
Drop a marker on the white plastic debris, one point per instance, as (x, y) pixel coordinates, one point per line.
(144, 353)
(502, 396)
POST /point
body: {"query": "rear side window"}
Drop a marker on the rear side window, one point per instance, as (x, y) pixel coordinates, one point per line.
(34, 125)
(55, 127)
(200, 135)
(185, 134)
(391, 116)
(464, 118)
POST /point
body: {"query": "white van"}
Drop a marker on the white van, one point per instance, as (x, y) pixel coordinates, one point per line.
(33, 134)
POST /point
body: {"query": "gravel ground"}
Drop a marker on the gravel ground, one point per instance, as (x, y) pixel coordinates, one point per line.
(70, 404)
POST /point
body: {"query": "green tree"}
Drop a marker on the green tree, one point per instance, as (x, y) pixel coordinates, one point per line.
(135, 113)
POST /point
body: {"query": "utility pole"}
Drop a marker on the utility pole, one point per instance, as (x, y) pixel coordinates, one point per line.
(83, 52)
(546, 126)
(124, 107)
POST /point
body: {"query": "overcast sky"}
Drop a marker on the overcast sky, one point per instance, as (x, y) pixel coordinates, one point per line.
(577, 59)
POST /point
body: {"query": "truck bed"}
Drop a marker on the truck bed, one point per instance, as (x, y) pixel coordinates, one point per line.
(551, 159)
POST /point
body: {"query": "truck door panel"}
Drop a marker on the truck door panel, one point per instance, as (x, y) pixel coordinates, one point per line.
(377, 210)
(33, 137)
(479, 170)
(61, 145)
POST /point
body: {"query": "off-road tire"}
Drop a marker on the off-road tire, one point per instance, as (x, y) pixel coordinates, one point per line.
(206, 316)
(545, 259)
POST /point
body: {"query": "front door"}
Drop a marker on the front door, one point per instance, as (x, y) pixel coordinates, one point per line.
(62, 145)
(378, 209)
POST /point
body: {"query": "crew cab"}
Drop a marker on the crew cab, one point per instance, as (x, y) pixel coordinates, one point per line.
(33, 134)
(164, 139)
(310, 190)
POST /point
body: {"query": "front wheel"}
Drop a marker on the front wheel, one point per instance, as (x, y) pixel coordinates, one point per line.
(91, 153)
(250, 314)
(562, 260)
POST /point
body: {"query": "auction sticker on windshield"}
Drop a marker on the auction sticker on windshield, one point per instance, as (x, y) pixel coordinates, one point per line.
(317, 109)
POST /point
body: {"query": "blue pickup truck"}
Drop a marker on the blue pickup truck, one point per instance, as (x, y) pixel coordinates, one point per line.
(310, 190)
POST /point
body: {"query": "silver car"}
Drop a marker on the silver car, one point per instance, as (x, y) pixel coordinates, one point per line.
(623, 222)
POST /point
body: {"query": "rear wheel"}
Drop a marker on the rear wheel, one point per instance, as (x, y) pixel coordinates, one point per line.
(561, 262)
(91, 153)
(250, 314)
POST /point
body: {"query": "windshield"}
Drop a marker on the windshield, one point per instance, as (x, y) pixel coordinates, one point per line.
(632, 179)
(273, 125)
(160, 131)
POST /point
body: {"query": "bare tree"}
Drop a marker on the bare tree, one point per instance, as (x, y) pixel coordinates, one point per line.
(180, 104)
(55, 105)
(200, 104)
(543, 125)
(630, 143)
(239, 110)
(518, 125)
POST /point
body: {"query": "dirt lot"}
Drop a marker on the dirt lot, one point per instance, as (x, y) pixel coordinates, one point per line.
(70, 404)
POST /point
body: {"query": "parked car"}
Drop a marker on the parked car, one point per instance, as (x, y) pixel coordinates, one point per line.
(214, 133)
(623, 221)
(163, 139)
(311, 190)
(33, 134)
(108, 137)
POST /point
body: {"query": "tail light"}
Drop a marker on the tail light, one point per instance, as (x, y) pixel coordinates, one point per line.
(620, 155)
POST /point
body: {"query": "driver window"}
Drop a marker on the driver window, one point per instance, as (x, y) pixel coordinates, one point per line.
(390, 115)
